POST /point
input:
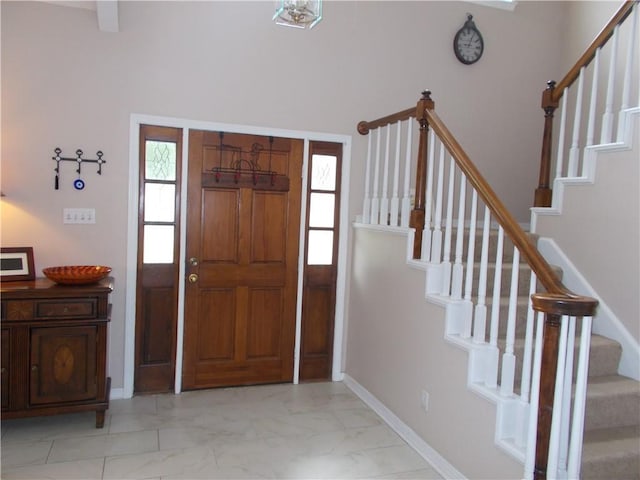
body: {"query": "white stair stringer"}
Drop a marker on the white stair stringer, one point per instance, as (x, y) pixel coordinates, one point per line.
(627, 125)
(608, 324)
(512, 415)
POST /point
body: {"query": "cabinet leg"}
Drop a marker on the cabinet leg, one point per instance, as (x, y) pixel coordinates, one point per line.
(100, 418)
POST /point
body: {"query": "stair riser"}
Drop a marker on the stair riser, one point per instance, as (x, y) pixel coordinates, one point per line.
(619, 466)
(620, 410)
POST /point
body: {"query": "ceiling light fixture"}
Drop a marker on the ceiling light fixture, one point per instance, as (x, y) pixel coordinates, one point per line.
(298, 13)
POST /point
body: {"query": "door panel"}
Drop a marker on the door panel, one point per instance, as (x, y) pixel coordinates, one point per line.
(220, 232)
(157, 339)
(242, 229)
(264, 326)
(216, 340)
(269, 227)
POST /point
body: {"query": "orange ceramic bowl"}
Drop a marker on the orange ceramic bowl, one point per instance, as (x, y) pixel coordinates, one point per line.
(76, 274)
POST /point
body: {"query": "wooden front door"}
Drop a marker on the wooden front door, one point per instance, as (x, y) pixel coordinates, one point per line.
(243, 221)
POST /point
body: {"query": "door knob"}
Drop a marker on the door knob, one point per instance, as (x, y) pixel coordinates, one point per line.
(193, 278)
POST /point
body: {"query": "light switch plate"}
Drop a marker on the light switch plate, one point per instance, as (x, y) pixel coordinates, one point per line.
(79, 215)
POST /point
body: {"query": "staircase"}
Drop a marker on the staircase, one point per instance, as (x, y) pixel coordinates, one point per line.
(611, 448)
(562, 408)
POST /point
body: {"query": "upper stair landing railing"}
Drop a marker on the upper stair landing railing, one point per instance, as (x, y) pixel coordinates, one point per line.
(450, 194)
(592, 98)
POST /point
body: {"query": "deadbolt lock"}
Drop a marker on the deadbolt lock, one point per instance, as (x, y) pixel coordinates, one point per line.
(193, 261)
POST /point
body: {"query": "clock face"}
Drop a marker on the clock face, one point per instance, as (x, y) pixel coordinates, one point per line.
(468, 45)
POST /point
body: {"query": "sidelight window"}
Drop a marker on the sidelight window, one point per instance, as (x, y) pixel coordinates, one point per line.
(322, 209)
(159, 201)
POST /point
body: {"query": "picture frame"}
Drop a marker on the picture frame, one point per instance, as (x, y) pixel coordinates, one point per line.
(16, 264)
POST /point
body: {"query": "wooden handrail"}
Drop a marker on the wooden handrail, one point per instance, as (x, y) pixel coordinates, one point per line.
(553, 93)
(364, 127)
(602, 38)
(539, 265)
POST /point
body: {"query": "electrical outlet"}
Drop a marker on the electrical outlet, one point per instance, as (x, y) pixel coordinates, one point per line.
(424, 400)
(79, 215)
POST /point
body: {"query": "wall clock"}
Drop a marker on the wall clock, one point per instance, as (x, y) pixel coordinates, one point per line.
(468, 44)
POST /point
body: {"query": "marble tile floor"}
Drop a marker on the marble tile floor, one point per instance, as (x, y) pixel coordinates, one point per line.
(313, 430)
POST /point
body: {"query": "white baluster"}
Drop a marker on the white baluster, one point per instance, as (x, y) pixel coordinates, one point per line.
(574, 152)
(458, 270)
(530, 454)
(577, 427)
(525, 382)
(629, 65)
(428, 213)
(558, 398)
(492, 371)
(607, 117)
(406, 198)
(592, 104)
(566, 404)
(509, 358)
(384, 198)
(561, 134)
(396, 180)
(527, 357)
(446, 264)
(480, 314)
(366, 214)
(375, 200)
(468, 286)
(436, 239)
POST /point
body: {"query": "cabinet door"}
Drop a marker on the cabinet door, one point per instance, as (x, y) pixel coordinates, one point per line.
(6, 364)
(63, 364)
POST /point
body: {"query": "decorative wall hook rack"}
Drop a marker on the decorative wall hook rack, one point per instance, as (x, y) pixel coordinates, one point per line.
(240, 171)
(78, 183)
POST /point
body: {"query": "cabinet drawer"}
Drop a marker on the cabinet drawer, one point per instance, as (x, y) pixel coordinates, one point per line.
(17, 310)
(75, 308)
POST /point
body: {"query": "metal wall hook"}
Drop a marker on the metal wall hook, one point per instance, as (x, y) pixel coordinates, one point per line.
(78, 160)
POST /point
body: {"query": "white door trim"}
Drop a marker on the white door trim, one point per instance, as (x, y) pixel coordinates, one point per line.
(136, 120)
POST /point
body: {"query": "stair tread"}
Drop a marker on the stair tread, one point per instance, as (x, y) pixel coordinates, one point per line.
(611, 453)
(615, 434)
(607, 385)
(596, 341)
(618, 445)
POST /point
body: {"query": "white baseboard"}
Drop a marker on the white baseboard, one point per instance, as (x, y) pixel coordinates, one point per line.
(116, 394)
(436, 460)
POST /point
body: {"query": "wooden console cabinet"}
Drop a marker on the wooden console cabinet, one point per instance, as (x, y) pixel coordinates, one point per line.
(54, 348)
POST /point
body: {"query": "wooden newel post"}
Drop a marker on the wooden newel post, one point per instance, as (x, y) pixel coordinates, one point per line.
(550, 347)
(416, 219)
(554, 306)
(543, 192)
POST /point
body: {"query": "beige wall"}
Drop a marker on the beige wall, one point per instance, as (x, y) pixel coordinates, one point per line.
(599, 226)
(397, 349)
(586, 20)
(599, 230)
(65, 84)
